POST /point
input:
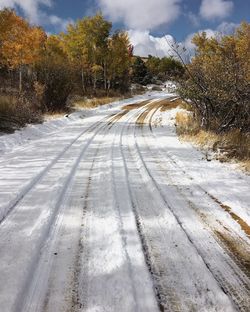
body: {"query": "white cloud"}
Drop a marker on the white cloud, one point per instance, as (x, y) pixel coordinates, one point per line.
(58, 22)
(145, 44)
(141, 14)
(223, 29)
(194, 19)
(32, 10)
(212, 9)
(227, 28)
(188, 41)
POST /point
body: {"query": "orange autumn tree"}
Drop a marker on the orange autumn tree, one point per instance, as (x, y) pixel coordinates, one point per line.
(20, 44)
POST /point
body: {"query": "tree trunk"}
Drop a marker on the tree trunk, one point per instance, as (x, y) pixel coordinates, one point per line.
(105, 76)
(20, 79)
(83, 81)
(108, 86)
(94, 84)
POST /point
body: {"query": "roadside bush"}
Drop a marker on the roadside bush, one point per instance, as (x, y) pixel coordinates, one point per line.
(16, 112)
(57, 84)
(233, 144)
(186, 124)
(54, 78)
(218, 81)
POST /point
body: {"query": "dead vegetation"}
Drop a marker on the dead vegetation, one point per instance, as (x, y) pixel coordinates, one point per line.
(16, 112)
(172, 103)
(232, 145)
(94, 102)
(217, 81)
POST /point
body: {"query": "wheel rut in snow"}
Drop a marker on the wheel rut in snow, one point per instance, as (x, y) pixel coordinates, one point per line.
(238, 249)
(229, 243)
(118, 259)
(43, 259)
(156, 249)
(38, 177)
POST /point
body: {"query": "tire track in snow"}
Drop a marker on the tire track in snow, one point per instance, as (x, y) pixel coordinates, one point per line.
(134, 218)
(75, 299)
(237, 246)
(129, 280)
(42, 271)
(148, 260)
(156, 249)
(238, 280)
(78, 297)
(70, 298)
(8, 234)
(243, 224)
(35, 180)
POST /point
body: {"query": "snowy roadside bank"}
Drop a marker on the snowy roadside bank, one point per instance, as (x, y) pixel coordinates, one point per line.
(224, 181)
(21, 137)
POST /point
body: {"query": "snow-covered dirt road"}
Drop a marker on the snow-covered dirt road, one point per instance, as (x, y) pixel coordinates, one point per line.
(112, 212)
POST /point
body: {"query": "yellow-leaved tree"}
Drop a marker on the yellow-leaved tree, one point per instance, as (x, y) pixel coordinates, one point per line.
(21, 44)
(119, 60)
(218, 81)
(86, 44)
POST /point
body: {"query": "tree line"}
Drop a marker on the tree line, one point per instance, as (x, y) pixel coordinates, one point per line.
(39, 72)
(154, 69)
(47, 68)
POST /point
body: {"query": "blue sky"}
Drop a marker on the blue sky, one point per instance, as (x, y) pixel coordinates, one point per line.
(147, 21)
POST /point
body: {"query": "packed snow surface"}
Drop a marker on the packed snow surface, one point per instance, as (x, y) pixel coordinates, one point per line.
(106, 210)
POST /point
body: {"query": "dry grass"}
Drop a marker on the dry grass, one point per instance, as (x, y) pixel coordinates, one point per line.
(53, 115)
(171, 104)
(94, 102)
(245, 165)
(186, 125)
(16, 112)
(233, 145)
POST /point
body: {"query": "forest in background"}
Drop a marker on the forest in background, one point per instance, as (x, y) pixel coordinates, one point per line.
(46, 73)
(40, 72)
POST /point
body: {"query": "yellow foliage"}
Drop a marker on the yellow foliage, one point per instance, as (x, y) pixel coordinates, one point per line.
(21, 44)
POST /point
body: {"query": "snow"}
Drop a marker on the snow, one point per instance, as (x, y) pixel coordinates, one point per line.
(99, 214)
(8, 142)
(222, 180)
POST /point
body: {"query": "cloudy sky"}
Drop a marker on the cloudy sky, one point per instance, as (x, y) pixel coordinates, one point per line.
(147, 21)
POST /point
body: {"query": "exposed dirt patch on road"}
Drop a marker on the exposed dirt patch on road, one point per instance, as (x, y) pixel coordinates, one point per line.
(151, 106)
(163, 105)
(136, 105)
(117, 117)
(234, 245)
(244, 226)
(170, 104)
(235, 248)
